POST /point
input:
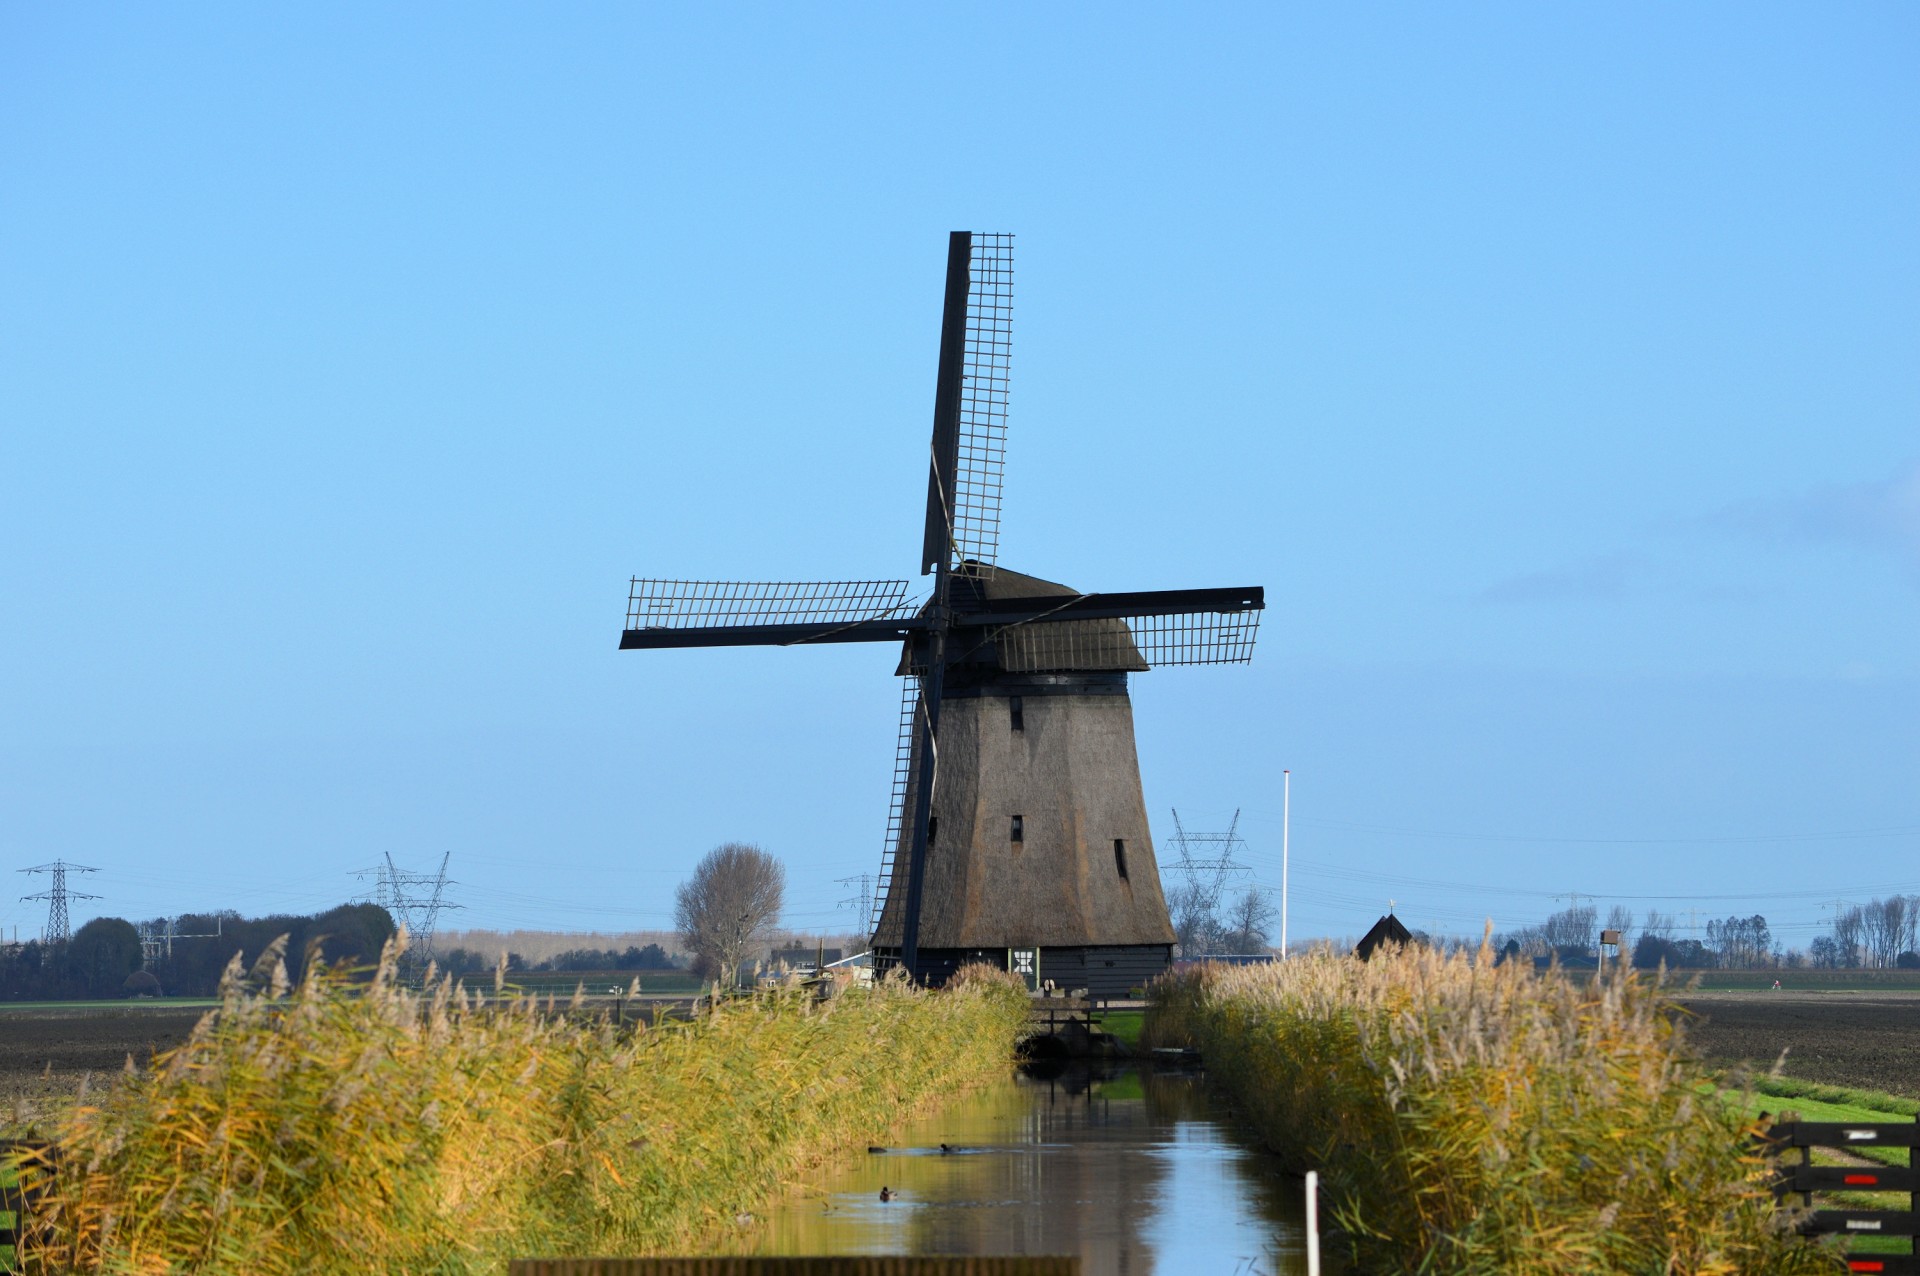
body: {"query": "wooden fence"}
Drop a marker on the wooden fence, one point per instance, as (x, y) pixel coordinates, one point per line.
(1864, 1175)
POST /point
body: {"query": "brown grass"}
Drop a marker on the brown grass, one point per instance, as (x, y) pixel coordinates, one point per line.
(369, 1128)
(1469, 1118)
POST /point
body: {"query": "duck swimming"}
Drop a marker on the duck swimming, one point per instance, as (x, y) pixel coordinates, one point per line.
(887, 1194)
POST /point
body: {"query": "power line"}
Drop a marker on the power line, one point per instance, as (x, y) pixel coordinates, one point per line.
(1898, 830)
(1363, 875)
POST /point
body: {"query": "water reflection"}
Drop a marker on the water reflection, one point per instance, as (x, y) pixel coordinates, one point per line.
(1127, 1168)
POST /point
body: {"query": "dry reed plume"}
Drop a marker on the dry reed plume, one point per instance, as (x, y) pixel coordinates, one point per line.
(365, 1127)
(1473, 1118)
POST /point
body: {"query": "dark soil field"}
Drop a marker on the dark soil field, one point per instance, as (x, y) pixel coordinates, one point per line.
(45, 1054)
(1869, 1040)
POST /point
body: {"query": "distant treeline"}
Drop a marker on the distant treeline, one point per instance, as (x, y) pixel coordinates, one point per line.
(467, 963)
(1877, 935)
(105, 957)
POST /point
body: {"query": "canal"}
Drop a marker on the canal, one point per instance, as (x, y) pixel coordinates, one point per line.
(1128, 1167)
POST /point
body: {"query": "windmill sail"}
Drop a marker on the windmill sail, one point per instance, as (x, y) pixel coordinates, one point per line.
(980, 467)
(968, 467)
(730, 613)
(1116, 632)
(900, 805)
(1134, 644)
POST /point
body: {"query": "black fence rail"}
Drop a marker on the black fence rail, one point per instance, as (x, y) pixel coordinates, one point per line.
(1808, 1180)
(16, 1192)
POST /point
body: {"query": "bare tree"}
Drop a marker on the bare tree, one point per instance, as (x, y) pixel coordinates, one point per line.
(1197, 926)
(1659, 925)
(733, 897)
(1527, 941)
(1887, 929)
(1572, 928)
(1247, 925)
(1847, 927)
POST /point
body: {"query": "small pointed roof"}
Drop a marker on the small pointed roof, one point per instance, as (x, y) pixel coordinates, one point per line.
(1387, 930)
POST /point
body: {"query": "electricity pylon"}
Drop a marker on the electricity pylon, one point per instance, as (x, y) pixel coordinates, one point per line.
(59, 930)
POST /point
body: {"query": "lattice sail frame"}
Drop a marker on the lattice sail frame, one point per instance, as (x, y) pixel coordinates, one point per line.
(908, 726)
(1133, 644)
(981, 467)
(702, 604)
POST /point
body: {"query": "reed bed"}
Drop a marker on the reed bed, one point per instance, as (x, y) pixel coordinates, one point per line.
(361, 1126)
(1473, 1118)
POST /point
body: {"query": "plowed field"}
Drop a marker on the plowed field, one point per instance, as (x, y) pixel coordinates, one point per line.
(1866, 1039)
(45, 1054)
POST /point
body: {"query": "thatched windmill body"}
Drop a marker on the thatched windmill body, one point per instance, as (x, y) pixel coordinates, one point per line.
(1018, 822)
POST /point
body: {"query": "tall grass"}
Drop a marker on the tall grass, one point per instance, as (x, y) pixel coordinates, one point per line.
(1473, 1118)
(369, 1128)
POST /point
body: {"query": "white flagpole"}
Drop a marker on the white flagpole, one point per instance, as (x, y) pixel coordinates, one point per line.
(1286, 812)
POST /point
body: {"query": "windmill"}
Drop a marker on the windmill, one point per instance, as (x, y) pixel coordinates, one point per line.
(1018, 821)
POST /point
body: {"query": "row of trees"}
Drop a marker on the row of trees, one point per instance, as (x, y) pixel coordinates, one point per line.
(96, 962)
(1573, 935)
(1881, 933)
(1878, 934)
(732, 901)
(468, 962)
(105, 957)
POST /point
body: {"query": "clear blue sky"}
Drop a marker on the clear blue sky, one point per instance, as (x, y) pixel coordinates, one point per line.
(1553, 367)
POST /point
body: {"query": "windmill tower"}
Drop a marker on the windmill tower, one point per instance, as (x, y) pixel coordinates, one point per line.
(1018, 821)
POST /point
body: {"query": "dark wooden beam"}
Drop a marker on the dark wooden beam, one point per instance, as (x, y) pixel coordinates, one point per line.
(936, 545)
(1148, 602)
(769, 635)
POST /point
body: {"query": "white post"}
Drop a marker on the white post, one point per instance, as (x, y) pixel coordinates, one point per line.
(1286, 813)
(1313, 1223)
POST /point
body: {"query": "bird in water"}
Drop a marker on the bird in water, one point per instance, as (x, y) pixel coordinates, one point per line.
(946, 1149)
(887, 1194)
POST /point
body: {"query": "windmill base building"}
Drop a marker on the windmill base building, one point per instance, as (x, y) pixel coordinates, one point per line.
(1037, 836)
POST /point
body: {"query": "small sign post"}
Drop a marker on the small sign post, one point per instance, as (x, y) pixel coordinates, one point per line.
(1609, 939)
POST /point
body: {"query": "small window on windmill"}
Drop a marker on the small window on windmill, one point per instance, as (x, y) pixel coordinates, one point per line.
(1019, 829)
(1017, 712)
(933, 828)
(1120, 858)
